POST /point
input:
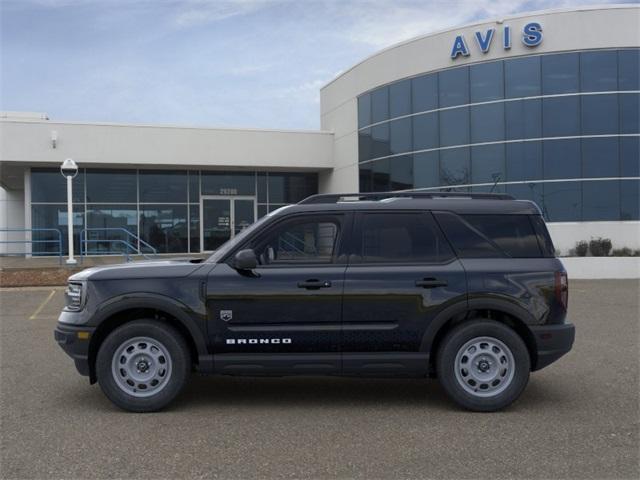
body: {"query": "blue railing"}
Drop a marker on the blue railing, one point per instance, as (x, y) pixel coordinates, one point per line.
(131, 243)
(57, 241)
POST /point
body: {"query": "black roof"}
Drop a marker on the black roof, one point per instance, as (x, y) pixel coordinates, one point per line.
(464, 203)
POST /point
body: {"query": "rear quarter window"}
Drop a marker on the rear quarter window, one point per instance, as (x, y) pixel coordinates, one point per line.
(491, 236)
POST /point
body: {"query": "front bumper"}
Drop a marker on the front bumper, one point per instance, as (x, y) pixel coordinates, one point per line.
(552, 341)
(74, 340)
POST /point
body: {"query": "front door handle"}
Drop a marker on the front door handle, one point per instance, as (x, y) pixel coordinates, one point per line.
(314, 284)
(431, 283)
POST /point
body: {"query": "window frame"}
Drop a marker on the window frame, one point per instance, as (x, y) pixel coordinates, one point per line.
(355, 250)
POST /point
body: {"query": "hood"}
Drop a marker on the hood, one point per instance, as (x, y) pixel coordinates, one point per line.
(174, 268)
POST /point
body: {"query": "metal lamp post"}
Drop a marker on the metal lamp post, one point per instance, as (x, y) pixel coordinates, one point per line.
(69, 170)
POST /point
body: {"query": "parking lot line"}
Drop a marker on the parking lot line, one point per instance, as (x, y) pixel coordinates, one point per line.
(42, 305)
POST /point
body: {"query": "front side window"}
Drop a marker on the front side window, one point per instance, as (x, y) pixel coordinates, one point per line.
(401, 237)
(300, 242)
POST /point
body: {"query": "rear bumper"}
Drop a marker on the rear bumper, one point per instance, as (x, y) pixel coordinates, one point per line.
(552, 341)
(75, 345)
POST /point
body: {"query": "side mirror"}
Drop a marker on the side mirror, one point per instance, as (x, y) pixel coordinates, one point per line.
(245, 260)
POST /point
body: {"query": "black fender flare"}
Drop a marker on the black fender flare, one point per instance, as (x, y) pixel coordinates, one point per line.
(489, 302)
(181, 312)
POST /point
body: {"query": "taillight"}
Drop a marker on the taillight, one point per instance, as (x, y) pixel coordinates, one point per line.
(562, 288)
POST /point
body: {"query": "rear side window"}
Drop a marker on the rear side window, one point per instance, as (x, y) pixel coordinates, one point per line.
(491, 236)
(544, 239)
(401, 237)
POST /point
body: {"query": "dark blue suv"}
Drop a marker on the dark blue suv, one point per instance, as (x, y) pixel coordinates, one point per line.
(464, 287)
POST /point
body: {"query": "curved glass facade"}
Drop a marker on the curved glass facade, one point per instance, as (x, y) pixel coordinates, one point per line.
(560, 129)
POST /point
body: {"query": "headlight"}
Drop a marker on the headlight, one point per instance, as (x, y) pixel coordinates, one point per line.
(74, 296)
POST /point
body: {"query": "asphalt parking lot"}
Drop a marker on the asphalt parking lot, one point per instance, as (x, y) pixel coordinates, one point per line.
(579, 418)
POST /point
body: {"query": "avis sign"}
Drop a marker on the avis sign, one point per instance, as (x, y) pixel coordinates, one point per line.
(531, 37)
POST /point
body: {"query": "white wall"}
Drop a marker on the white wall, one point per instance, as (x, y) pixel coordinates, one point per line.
(622, 234)
(29, 141)
(11, 216)
(601, 268)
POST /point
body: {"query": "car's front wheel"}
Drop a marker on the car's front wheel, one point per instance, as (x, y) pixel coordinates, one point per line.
(143, 365)
(483, 365)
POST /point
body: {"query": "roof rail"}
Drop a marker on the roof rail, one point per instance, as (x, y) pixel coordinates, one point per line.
(355, 197)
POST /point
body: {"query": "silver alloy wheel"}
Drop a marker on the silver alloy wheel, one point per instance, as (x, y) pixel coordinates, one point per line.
(484, 367)
(141, 366)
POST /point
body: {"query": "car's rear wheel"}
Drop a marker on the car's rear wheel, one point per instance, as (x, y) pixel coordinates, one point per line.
(143, 365)
(483, 365)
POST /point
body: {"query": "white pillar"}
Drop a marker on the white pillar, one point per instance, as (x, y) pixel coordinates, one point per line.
(70, 260)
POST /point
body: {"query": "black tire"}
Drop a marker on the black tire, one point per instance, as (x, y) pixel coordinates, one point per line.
(174, 346)
(458, 386)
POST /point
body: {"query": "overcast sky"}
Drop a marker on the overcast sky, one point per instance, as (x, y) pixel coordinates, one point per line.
(234, 63)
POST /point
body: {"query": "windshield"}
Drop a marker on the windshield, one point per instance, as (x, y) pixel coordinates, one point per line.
(232, 243)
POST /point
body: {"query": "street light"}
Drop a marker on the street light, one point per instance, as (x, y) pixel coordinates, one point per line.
(69, 170)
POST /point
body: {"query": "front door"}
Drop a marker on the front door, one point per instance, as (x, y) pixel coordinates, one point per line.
(401, 275)
(221, 218)
(285, 316)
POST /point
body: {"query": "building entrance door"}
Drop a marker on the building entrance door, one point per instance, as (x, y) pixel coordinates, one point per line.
(221, 218)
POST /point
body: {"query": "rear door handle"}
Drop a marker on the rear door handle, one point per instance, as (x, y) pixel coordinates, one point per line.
(431, 283)
(314, 284)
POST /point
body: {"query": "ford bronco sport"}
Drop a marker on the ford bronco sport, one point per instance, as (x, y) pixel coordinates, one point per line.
(463, 287)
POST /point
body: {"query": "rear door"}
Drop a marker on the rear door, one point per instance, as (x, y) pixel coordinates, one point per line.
(401, 274)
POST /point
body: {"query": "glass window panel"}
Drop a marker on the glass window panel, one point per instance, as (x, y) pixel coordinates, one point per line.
(629, 69)
(599, 114)
(601, 200)
(468, 243)
(424, 93)
(165, 227)
(194, 228)
(261, 183)
(513, 234)
(402, 237)
(163, 186)
(364, 110)
(454, 87)
(381, 181)
(426, 169)
(54, 217)
(262, 210)
(522, 77)
(454, 127)
(630, 156)
(487, 164)
(365, 177)
(401, 172)
(630, 200)
(380, 141)
(400, 98)
(600, 157)
(487, 81)
(523, 119)
(48, 185)
(380, 105)
(524, 161)
(561, 116)
(629, 112)
(400, 135)
(561, 201)
(194, 186)
(107, 227)
(291, 187)
(228, 183)
(561, 159)
(526, 191)
(112, 186)
(599, 71)
(425, 131)
(455, 168)
(487, 123)
(365, 145)
(560, 73)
